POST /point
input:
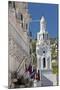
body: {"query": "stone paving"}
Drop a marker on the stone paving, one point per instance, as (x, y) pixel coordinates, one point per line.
(37, 83)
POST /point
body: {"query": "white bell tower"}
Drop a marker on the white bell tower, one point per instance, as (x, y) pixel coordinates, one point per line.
(43, 49)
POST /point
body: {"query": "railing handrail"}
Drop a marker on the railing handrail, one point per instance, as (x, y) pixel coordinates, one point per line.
(20, 64)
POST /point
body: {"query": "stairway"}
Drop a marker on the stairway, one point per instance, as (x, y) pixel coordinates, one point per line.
(45, 81)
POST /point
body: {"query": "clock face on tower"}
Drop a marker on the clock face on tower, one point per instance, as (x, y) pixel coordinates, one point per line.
(42, 50)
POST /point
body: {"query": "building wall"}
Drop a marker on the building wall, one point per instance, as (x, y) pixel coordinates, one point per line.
(18, 40)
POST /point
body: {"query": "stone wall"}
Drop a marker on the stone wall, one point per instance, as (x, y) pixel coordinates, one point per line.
(18, 40)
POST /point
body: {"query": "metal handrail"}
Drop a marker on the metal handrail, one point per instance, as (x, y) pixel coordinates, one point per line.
(20, 64)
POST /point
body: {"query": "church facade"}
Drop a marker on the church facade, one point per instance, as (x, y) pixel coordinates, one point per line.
(43, 49)
(43, 53)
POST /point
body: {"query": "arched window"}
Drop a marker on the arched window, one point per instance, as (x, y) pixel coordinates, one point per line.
(43, 35)
(44, 63)
(43, 51)
(21, 17)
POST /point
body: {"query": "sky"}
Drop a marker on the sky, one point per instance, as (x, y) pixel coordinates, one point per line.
(50, 12)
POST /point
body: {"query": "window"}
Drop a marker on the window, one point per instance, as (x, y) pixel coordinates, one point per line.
(13, 4)
(22, 25)
(10, 3)
(47, 36)
(26, 26)
(43, 51)
(44, 63)
(43, 35)
(21, 17)
(30, 51)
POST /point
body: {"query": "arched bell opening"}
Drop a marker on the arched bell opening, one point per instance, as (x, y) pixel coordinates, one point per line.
(44, 62)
